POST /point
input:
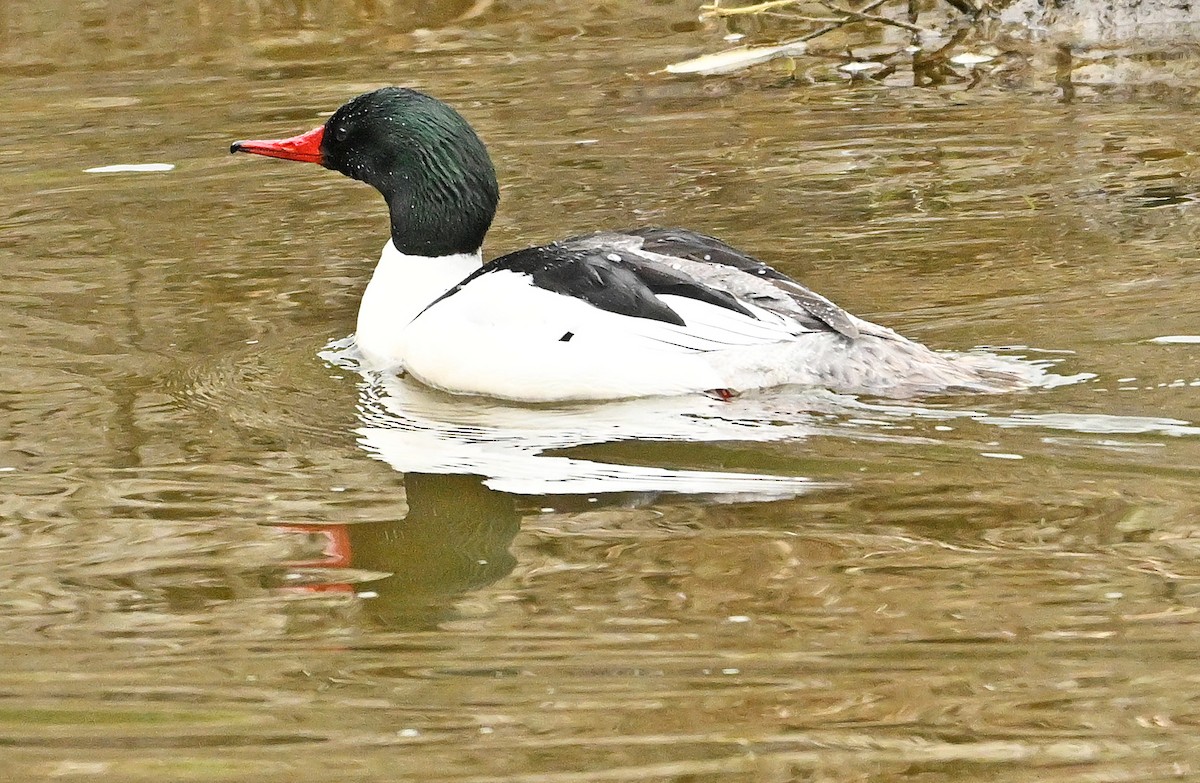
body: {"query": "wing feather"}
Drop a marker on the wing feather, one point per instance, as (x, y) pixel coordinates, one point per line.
(739, 270)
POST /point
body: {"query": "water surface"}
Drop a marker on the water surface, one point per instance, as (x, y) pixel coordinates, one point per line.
(225, 555)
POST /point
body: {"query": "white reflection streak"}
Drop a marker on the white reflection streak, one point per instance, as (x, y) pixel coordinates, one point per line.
(417, 430)
(1083, 423)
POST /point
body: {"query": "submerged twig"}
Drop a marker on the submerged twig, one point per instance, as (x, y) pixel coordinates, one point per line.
(928, 67)
(831, 27)
(811, 19)
(714, 10)
(862, 16)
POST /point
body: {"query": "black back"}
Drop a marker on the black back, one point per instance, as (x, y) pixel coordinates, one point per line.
(610, 279)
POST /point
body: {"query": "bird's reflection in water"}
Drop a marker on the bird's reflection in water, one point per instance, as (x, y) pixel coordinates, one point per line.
(408, 573)
(528, 450)
(466, 460)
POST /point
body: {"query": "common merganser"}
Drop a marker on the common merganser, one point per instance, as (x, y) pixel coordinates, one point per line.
(630, 313)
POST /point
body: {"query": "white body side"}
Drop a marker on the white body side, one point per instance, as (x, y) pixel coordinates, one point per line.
(502, 336)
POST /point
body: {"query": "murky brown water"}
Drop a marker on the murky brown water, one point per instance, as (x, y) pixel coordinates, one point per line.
(206, 574)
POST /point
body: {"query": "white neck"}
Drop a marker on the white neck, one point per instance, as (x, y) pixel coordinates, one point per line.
(401, 287)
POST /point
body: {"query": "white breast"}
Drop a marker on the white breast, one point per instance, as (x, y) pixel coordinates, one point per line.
(401, 287)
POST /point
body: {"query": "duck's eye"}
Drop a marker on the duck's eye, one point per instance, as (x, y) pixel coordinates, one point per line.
(341, 132)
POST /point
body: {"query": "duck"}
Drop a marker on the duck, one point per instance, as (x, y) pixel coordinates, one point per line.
(614, 314)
